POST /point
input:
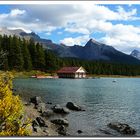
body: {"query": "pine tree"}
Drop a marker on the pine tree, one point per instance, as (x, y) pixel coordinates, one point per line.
(15, 55)
(26, 56)
(40, 57)
(33, 53)
(52, 62)
(4, 43)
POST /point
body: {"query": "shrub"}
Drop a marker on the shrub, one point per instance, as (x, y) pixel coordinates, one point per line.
(12, 118)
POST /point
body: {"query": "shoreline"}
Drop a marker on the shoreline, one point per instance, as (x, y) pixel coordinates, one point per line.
(53, 116)
(30, 74)
(47, 119)
(31, 112)
(114, 76)
(43, 75)
(59, 129)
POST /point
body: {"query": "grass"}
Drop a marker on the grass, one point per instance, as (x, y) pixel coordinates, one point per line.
(27, 74)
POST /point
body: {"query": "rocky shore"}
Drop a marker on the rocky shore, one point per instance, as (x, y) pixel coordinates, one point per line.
(47, 121)
(42, 113)
(32, 113)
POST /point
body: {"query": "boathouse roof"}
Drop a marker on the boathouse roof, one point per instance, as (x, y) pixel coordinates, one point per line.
(69, 69)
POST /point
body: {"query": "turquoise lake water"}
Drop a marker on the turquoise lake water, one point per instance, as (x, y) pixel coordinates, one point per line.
(105, 101)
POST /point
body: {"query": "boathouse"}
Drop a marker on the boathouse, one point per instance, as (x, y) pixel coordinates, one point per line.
(72, 72)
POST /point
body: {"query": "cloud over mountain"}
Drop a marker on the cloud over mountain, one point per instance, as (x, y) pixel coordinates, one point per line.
(117, 24)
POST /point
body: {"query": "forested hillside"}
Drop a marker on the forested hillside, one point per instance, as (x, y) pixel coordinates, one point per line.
(26, 55)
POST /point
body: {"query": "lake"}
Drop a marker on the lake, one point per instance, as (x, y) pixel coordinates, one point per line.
(105, 101)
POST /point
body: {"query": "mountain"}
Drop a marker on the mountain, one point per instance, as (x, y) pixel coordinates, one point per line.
(136, 54)
(92, 50)
(20, 33)
(5, 31)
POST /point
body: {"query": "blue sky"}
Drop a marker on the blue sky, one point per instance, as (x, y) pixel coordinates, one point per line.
(116, 25)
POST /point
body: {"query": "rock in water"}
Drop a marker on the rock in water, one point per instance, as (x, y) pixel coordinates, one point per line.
(50, 103)
(36, 100)
(122, 128)
(73, 106)
(59, 109)
(79, 131)
(60, 121)
(65, 110)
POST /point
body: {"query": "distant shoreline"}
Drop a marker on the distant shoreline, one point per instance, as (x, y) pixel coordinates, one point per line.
(114, 76)
(25, 74)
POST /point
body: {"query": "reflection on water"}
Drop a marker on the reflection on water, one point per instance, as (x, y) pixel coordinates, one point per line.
(104, 100)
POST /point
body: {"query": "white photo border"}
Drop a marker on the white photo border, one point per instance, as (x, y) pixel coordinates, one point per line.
(37, 2)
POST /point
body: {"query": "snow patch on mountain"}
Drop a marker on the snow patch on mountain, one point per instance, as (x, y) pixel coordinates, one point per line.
(136, 54)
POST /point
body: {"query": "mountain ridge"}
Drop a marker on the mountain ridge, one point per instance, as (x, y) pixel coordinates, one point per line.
(135, 53)
(93, 50)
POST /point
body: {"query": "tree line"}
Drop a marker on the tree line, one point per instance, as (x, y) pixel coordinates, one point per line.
(21, 54)
(26, 55)
(106, 68)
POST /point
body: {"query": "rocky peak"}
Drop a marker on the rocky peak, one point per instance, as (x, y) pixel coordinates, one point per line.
(92, 43)
(136, 54)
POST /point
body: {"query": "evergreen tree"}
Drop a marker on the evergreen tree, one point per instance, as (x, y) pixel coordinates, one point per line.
(40, 57)
(33, 53)
(4, 43)
(53, 63)
(26, 56)
(15, 55)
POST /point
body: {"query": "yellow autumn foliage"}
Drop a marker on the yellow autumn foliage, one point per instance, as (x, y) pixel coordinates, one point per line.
(12, 119)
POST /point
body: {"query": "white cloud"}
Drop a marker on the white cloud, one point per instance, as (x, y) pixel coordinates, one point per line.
(81, 18)
(78, 30)
(13, 14)
(126, 14)
(14, 28)
(16, 12)
(75, 41)
(76, 18)
(122, 37)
